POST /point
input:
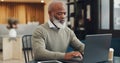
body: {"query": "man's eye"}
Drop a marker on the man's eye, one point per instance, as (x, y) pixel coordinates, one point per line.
(61, 13)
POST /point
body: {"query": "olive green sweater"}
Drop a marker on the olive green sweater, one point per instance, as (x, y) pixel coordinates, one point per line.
(49, 43)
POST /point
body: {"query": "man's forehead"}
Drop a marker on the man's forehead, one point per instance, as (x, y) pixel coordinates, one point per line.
(59, 7)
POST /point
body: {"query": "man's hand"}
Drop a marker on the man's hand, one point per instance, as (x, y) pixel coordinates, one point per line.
(70, 55)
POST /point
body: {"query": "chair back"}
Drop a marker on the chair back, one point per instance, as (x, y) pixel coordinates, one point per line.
(27, 48)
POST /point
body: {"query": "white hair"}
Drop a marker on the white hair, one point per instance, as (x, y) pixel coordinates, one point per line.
(53, 3)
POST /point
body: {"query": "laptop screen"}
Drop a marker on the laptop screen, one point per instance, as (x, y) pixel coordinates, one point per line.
(97, 48)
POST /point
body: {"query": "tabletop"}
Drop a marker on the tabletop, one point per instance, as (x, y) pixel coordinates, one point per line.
(116, 60)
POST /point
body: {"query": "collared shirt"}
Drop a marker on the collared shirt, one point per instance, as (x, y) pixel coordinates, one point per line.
(51, 25)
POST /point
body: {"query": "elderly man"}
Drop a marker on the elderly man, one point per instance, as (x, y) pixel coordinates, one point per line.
(50, 40)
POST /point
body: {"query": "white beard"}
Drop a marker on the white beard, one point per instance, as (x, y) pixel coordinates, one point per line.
(58, 24)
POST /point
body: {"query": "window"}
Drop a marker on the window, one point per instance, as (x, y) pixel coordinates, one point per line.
(116, 15)
(104, 14)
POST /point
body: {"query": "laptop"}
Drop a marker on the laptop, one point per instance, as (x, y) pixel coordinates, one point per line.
(97, 48)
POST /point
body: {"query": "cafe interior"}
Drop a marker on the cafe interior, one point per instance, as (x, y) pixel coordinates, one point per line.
(84, 17)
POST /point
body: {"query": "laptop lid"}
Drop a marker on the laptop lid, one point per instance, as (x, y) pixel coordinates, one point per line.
(97, 48)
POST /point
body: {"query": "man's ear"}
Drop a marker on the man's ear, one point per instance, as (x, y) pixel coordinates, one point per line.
(50, 14)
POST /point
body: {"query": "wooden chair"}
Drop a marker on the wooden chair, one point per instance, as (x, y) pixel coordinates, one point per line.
(27, 48)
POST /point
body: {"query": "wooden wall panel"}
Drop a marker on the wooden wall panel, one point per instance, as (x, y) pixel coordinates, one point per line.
(2, 13)
(23, 12)
(40, 13)
(35, 12)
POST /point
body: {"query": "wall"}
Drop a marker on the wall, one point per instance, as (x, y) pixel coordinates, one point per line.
(46, 16)
(23, 12)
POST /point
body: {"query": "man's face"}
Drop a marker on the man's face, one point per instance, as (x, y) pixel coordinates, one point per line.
(59, 17)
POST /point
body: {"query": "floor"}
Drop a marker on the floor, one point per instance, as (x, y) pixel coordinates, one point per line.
(11, 60)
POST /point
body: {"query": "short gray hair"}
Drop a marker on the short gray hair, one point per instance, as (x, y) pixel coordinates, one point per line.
(53, 3)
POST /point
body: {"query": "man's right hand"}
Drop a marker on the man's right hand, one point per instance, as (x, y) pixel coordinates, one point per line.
(70, 55)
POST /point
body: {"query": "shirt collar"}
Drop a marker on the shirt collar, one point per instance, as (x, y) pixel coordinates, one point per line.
(51, 25)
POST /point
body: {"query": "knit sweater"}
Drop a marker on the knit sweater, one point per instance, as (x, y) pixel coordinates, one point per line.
(49, 43)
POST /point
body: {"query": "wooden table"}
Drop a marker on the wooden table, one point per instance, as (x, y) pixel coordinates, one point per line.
(12, 48)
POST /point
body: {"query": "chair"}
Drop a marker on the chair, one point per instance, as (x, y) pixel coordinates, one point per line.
(27, 48)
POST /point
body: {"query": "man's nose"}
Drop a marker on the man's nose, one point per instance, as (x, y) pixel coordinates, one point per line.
(63, 16)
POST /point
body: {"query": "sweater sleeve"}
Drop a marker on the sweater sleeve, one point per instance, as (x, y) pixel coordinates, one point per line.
(76, 43)
(39, 47)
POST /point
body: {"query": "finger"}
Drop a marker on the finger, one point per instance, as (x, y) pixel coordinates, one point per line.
(76, 54)
(81, 57)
